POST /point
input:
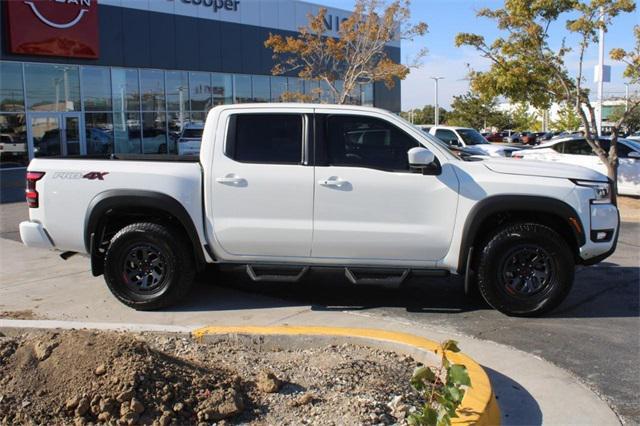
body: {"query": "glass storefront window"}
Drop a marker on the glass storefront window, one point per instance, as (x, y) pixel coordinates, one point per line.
(367, 94)
(13, 140)
(52, 87)
(312, 88)
(99, 132)
(242, 88)
(152, 90)
(326, 94)
(126, 93)
(154, 133)
(11, 89)
(177, 90)
(221, 87)
(96, 88)
(126, 133)
(295, 89)
(261, 88)
(198, 117)
(200, 91)
(278, 88)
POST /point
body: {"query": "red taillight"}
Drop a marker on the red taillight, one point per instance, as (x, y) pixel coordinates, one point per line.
(32, 194)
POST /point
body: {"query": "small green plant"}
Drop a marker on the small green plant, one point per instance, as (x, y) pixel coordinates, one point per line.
(441, 387)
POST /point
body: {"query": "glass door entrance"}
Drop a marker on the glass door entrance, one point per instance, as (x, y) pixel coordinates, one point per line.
(55, 134)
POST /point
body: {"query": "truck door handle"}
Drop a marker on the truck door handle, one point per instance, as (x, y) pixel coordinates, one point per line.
(333, 182)
(231, 179)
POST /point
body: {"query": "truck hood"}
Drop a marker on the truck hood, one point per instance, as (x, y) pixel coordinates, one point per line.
(512, 166)
(492, 150)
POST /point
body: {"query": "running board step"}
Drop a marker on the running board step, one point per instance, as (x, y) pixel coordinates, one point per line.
(377, 276)
(289, 274)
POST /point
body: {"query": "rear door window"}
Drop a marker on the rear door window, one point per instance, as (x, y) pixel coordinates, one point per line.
(265, 138)
(447, 136)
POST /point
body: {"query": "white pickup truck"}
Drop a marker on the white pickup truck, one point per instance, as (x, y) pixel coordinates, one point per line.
(281, 190)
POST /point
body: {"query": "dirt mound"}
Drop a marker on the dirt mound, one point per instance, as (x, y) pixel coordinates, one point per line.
(79, 377)
(83, 377)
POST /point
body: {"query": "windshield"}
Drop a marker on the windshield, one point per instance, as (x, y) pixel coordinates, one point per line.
(192, 133)
(472, 137)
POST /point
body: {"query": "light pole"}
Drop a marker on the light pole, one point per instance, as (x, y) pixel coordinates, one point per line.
(436, 112)
(600, 73)
(626, 97)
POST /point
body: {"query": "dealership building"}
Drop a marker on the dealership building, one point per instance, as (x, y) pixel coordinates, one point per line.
(125, 76)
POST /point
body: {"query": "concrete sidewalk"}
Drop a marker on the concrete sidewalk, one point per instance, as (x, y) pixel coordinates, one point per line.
(530, 390)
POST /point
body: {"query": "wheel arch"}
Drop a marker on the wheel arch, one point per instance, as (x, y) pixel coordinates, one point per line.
(493, 211)
(124, 206)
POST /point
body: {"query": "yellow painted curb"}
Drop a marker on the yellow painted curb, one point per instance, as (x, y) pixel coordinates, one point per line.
(479, 405)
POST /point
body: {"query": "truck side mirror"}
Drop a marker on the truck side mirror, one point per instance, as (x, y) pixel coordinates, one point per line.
(423, 160)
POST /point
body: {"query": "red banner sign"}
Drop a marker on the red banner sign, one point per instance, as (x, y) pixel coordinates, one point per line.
(66, 28)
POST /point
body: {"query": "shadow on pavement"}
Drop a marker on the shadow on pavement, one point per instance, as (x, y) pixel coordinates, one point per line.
(606, 291)
(517, 406)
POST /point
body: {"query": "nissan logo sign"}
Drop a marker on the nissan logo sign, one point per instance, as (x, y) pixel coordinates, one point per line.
(83, 8)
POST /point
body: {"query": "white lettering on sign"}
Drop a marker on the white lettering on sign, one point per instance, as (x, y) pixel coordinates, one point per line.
(81, 12)
(231, 5)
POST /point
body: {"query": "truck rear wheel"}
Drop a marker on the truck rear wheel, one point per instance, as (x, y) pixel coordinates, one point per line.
(149, 266)
(525, 269)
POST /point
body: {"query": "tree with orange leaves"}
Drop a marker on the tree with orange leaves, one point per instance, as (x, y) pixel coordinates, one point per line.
(357, 56)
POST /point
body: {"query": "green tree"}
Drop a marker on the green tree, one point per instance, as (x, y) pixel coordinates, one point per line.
(425, 115)
(567, 120)
(523, 120)
(472, 110)
(631, 121)
(524, 65)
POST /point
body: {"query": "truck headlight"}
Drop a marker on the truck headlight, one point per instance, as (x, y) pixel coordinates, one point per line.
(602, 190)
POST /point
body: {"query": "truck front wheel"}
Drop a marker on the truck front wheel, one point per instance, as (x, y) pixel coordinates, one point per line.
(525, 269)
(149, 266)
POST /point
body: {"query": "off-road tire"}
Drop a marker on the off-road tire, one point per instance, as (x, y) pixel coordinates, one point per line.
(499, 258)
(174, 259)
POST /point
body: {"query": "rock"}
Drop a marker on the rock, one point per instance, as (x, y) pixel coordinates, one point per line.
(136, 406)
(267, 382)
(399, 409)
(100, 370)
(165, 420)
(79, 421)
(125, 396)
(43, 350)
(220, 405)
(72, 403)
(83, 407)
(104, 417)
(177, 407)
(304, 399)
(107, 405)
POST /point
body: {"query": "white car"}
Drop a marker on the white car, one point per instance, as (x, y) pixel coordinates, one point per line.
(282, 190)
(190, 139)
(466, 137)
(576, 150)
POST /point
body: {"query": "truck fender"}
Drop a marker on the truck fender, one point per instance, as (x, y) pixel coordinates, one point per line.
(129, 200)
(515, 203)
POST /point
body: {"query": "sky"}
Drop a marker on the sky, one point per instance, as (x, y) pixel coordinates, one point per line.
(446, 18)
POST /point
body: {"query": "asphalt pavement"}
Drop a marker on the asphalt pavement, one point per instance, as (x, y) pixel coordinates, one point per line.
(594, 335)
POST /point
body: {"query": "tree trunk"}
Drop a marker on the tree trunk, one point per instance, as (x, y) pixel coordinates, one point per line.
(612, 173)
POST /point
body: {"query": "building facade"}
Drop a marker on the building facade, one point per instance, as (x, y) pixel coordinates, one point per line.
(124, 76)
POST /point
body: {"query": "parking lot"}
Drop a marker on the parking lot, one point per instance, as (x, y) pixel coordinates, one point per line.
(593, 335)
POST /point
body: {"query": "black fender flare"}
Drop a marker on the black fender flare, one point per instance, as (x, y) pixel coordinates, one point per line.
(113, 199)
(515, 203)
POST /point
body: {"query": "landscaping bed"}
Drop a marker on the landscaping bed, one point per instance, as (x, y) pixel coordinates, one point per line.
(83, 377)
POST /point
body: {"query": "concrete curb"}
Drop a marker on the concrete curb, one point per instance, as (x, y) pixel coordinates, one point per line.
(479, 405)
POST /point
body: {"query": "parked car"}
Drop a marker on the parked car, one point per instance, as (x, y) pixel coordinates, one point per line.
(495, 137)
(512, 137)
(466, 137)
(576, 150)
(634, 136)
(190, 139)
(528, 138)
(367, 194)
